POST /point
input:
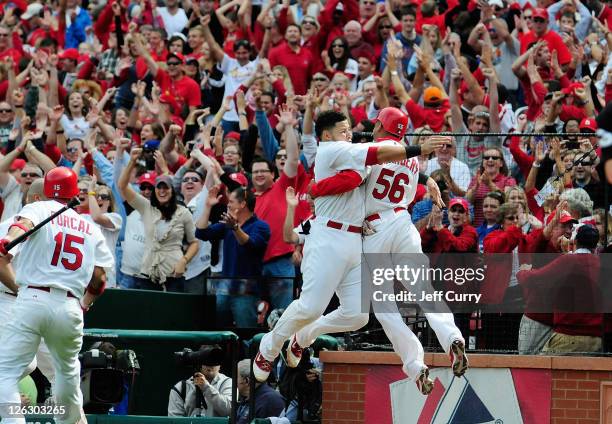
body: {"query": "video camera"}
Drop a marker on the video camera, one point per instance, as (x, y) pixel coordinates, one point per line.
(103, 376)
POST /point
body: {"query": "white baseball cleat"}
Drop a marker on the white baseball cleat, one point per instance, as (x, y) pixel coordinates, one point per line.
(458, 358)
(294, 353)
(261, 368)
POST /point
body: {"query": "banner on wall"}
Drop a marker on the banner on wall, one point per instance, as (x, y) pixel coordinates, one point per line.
(491, 396)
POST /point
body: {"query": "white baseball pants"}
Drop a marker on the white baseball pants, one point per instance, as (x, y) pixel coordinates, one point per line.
(331, 263)
(396, 235)
(43, 357)
(59, 320)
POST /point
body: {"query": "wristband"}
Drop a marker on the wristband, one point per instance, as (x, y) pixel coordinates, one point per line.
(535, 165)
(20, 226)
(59, 131)
(412, 151)
(91, 193)
(97, 292)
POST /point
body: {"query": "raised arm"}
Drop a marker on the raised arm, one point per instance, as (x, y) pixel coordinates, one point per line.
(168, 143)
(456, 115)
(215, 49)
(291, 142)
(127, 192)
(489, 73)
(289, 235)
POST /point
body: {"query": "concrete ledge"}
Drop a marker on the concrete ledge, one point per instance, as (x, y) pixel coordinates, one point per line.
(476, 360)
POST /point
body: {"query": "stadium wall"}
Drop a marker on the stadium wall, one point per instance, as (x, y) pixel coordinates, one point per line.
(578, 390)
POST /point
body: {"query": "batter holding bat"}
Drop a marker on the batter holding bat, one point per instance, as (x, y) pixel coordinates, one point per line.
(60, 273)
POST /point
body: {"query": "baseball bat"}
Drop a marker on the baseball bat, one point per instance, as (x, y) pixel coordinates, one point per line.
(74, 202)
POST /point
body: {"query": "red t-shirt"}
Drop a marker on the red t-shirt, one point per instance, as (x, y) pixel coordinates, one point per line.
(434, 117)
(555, 43)
(185, 90)
(271, 207)
(299, 65)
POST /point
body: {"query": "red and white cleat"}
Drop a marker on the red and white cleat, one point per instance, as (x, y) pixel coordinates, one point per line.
(294, 353)
(261, 368)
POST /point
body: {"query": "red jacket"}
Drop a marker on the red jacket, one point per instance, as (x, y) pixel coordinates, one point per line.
(436, 243)
(499, 267)
(571, 282)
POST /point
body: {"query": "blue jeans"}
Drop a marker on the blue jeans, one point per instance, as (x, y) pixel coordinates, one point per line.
(280, 290)
(125, 281)
(236, 308)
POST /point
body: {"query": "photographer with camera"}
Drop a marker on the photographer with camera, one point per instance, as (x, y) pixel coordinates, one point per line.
(208, 393)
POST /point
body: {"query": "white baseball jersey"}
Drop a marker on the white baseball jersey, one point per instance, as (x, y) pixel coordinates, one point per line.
(4, 227)
(334, 156)
(63, 253)
(391, 185)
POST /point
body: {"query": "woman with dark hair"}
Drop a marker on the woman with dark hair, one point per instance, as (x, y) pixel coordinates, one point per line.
(493, 175)
(176, 44)
(73, 120)
(338, 59)
(166, 225)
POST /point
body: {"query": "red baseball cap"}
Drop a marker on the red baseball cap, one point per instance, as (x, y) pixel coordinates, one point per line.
(539, 12)
(240, 178)
(72, 54)
(570, 90)
(234, 135)
(147, 177)
(563, 219)
(179, 56)
(459, 201)
(18, 164)
(588, 124)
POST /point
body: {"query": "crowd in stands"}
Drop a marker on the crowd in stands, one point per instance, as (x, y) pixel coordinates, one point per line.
(188, 121)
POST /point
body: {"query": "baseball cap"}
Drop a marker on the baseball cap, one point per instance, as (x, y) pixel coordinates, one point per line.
(151, 145)
(588, 124)
(498, 3)
(367, 55)
(459, 201)
(432, 95)
(33, 10)
(166, 179)
(18, 164)
(72, 54)
(233, 135)
(571, 89)
(179, 56)
(147, 177)
(539, 12)
(565, 218)
(240, 178)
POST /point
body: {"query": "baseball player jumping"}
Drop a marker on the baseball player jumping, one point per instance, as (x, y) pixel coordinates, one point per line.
(58, 265)
(389, 190)
(332, 254)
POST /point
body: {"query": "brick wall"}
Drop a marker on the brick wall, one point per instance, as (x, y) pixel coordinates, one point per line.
(576, 396)
(344, 393)
(576, 383)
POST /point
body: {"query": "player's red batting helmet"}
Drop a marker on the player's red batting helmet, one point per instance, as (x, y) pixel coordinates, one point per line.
(393, 121)
(61, 183)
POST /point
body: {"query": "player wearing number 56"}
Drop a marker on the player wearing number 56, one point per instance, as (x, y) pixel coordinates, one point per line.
(60, 273)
